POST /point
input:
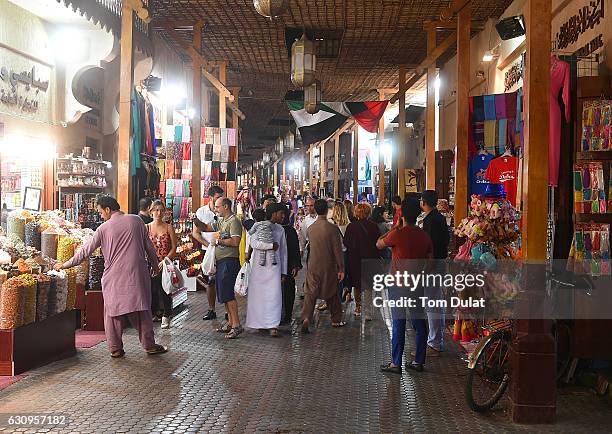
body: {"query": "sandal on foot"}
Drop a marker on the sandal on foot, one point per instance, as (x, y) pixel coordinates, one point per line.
(157, 349)
(339, 324)
(274, 333)
(322, 307)
(224, 329)
(234, 333)
(118, 354)
(391, 369)
(305, 327)
(358, 311)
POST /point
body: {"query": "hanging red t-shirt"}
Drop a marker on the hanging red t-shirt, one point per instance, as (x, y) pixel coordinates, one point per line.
(504, 170)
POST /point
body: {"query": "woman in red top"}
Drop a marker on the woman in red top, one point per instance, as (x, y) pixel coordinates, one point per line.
(163, 237)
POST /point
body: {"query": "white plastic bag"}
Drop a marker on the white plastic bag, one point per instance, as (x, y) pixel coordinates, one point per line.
(172, 279)
(209, 263)
(242, 281)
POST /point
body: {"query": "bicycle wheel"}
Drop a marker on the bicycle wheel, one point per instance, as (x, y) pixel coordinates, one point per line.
(488, 380)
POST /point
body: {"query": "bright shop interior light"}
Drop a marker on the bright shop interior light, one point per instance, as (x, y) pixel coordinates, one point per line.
(69, 45)
(25, 147)
(173, 94)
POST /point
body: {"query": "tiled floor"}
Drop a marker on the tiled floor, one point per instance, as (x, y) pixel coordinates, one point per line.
(325, 382)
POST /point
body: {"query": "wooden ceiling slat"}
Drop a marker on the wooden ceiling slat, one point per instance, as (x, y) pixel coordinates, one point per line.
(377, 36)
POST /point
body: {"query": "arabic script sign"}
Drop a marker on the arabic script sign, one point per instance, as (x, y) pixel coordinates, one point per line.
(586, 18)
(24, 87)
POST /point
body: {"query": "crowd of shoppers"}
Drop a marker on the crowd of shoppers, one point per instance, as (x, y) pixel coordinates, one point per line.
(334, 238)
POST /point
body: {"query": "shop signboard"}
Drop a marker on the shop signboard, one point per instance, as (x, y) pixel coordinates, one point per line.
(88, 90)
(582, 27)
(411, 180)
(25, 86)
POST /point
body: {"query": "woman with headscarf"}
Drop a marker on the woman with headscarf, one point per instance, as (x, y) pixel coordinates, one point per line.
(360, 241)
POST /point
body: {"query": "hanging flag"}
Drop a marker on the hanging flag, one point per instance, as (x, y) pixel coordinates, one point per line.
(332, 115)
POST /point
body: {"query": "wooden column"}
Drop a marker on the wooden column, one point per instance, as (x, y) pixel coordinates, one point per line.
(311, 167)
(285, 178)
(336, 166)
(276, 183)
(462, 103)
(532, 354)
(196, 122)
(403, 138)
(381, 155)
(126, 78)
(222, 102)
(430, 116)
(235, 118)
(355, 163)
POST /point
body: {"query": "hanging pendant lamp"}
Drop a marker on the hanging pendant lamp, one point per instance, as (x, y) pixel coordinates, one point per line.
(312, 97)
(270, 8)
(303, 62)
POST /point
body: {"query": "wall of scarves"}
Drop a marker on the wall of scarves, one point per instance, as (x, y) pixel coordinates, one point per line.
(496, 123)
(175, 165)
(144, 144)
(219, 154)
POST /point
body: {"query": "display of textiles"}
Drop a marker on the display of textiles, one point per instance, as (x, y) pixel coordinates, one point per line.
(590, 250)
(496, 123)
(610, 189)
(596, 129)
(589, 188)
(219, 156)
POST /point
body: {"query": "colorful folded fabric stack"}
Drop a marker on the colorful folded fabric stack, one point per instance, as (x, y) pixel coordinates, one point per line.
(589, 188)
(590, 251)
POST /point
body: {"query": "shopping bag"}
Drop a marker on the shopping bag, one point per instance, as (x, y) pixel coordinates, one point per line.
(242, 281)
(172, 279)
(209, 265)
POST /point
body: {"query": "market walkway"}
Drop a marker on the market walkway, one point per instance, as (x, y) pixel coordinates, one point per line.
(324, 382)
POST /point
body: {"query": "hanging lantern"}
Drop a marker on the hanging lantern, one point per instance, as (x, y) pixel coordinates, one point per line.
(280, 146)
(312, 97)
(303, 62)
(270, 8)
(289, 141)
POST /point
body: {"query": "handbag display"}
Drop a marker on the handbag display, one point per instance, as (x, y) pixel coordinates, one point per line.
(209, 263)
(172, 279)
(242, 281)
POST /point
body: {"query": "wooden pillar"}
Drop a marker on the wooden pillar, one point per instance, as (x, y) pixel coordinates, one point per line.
(336, 165)
(276, 183)
(430, 116)
(311, 167)
(235, 118)
(403, 138)
(532, 354)
(355, 163)
(126, 78)
(196, 122)
(463, 88)
(285, 178)
(381, 155)
(222, 102)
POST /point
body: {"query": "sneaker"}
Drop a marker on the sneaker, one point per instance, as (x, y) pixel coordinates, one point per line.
(165, 323)
(210, 315)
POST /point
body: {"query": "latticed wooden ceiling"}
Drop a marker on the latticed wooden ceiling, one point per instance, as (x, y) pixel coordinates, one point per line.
(365, 41)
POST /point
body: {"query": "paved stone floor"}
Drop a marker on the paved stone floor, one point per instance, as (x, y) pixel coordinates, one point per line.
(325, 382)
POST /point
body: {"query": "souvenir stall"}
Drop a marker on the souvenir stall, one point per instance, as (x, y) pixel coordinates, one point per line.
(591, 183)
(174, 163)
(38, 306)
(491, 236)
(79, 180)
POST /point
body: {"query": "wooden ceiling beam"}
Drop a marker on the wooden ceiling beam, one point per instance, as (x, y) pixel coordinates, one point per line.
(451, 25)
(160, 23)
(422, 68)
(454, 7)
